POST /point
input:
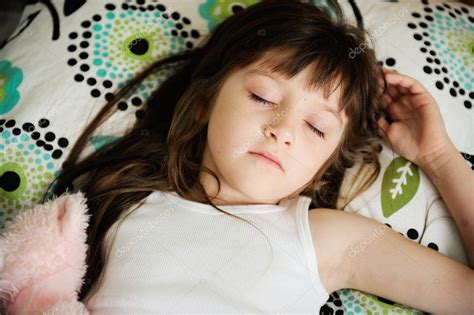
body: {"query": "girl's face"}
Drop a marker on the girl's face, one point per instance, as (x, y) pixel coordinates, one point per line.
(283, 127)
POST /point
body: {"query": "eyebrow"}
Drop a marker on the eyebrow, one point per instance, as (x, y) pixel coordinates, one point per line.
(277, 77)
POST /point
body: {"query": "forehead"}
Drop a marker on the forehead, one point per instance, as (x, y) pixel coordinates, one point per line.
(314, 73)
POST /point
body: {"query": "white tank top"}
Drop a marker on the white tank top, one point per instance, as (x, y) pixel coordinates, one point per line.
(173, 255)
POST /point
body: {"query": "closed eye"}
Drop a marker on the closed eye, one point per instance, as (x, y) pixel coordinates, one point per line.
(261, 100)
(318, 132)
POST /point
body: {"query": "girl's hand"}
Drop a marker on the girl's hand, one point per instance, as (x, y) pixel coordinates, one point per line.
(417, 132)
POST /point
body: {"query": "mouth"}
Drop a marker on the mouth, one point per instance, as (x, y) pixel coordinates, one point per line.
(267, 159)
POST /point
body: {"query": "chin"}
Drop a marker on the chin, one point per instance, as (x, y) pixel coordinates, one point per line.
(268, 197)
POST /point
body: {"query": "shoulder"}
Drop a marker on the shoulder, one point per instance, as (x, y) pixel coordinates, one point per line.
(357, 252)
(334, 232)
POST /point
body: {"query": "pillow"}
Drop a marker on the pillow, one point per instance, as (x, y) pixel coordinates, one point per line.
(431, 41)
(64, 62)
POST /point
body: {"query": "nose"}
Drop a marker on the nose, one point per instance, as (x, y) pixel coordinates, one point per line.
(280, 128)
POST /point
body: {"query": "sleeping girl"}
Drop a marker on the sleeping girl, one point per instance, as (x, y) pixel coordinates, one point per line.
(221, 198)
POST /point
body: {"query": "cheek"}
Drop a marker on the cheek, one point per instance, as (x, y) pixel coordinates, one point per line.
(307, 162)
(231, 133)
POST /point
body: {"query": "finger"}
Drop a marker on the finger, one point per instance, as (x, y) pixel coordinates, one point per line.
(383, 123)
(399, 91)
(389, 70)
(393, 109)
(380, 80)
(387, 99)
(399, 108)
(405, 81)
(383, 128)
(393, 92)
(380, 84)
(403, 90)
(382, 76)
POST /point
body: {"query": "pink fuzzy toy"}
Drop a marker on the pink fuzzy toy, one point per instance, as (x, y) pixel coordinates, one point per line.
(42, 258)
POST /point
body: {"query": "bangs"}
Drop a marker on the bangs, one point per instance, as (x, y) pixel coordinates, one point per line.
(327, 71)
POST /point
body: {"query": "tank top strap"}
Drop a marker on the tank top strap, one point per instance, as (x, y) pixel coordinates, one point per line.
(304, 232)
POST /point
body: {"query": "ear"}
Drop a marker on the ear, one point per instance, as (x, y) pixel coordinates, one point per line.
(71, 213)
(58, 210)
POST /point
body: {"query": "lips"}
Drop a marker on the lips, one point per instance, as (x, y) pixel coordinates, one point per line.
(270, 157)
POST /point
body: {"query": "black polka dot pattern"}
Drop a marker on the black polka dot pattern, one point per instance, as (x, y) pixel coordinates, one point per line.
(388, 62)
(44, 139)
(441, 31)
(36, 133)
(469, 157)
(412, 234)
(110, 47)
(333, 305)
(433, 246)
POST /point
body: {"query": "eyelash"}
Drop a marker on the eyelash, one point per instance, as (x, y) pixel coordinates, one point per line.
(261, 100)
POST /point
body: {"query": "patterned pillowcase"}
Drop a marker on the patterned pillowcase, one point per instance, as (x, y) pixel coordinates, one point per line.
(59, 68)
(433, 42)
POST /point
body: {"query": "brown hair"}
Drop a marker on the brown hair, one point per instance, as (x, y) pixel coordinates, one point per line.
(163, 150)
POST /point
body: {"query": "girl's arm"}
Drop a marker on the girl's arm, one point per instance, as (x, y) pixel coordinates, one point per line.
(454, 181)
(418, 134)
(374, 258)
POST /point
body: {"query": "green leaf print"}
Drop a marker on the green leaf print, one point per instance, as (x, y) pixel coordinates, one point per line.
(399, 185)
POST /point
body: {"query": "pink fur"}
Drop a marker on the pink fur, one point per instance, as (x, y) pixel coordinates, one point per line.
(42, 258)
